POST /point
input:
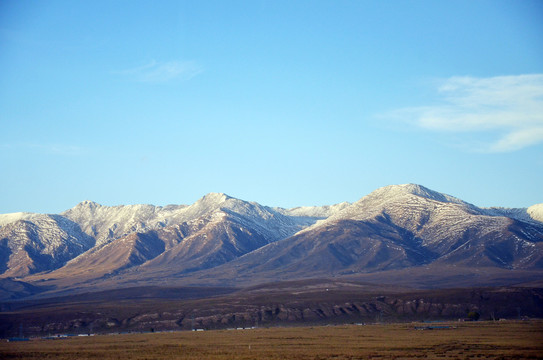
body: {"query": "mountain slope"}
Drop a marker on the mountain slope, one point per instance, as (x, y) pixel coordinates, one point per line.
(45, 242)
(397, 227)
(107, 223)
(131, 250)
(214, 230)
(197, 244)
(216, 240)
(220, 239)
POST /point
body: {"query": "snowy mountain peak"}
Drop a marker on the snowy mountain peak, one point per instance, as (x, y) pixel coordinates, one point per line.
(89, 204)
(395, 191)
(210, 202)
(396, 200)
(391, 228)
(216, 198)
(86, 206)
(12, 217)
(41, 242)
(207, 204)
(313, 211)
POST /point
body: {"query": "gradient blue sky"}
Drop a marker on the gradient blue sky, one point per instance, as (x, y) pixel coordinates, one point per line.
(286, 103)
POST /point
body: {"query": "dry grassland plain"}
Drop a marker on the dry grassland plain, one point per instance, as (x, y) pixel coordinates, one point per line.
(482, 340)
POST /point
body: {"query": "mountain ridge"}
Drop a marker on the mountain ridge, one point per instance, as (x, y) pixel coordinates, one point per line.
(220, 238)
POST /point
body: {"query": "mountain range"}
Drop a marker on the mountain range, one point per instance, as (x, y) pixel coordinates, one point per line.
(399, 234)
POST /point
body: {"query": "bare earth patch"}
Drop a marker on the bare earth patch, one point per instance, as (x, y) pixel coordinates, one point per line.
(482, 340)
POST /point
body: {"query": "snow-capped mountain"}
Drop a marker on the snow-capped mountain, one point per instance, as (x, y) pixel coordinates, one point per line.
(313, 211)
(395, 227)
(206, 240)
(106, 223)
(532, 214)
(41, 243)
(215, 229)
(399, 227)
(12, 217)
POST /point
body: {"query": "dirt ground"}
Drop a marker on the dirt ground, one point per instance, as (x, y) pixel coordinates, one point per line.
(479, 340)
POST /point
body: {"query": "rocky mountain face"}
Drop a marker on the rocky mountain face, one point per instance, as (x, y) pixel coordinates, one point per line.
(92, 241)
(222, 238)
(41, 243)
(398, 227)
(197, 244)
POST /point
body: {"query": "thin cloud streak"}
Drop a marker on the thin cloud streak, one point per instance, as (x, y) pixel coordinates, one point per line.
(511, 107)
(518, 139)
(160, 72)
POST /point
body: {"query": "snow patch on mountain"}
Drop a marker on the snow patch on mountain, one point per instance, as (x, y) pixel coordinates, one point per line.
(109, 223)
(90, 229)
(320, 212)
(396, 200)
(268, 222)
(106, 223)
(206, 204)
(12, 217)
(43, 243)
(532, 214)
(400, 192)
(412, 205)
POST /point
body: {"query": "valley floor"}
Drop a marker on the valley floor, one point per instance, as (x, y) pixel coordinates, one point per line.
(482, 340)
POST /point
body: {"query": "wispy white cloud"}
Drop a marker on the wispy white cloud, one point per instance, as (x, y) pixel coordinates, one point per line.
(510, 108)
(159, 72)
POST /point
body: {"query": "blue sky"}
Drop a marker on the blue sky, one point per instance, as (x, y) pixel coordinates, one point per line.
(286, 103)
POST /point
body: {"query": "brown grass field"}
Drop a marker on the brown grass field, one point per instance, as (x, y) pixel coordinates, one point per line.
(481, 340)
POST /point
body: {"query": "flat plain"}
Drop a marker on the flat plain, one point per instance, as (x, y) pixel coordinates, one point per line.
(478, 340)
